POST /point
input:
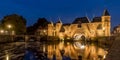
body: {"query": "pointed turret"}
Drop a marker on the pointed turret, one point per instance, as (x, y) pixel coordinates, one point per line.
(106, 24)
(106, 13)
(59, 20)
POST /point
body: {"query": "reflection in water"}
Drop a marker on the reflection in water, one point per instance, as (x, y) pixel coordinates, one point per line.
(76, 49)
(55, 50)
(7, 56)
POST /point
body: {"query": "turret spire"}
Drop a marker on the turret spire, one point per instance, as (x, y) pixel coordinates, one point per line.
(59, 20)
(106, 13)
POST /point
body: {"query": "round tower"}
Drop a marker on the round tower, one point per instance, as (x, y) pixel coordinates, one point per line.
(106, 23)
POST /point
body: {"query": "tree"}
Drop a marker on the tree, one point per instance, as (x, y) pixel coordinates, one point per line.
(17, 22)
(41, 23)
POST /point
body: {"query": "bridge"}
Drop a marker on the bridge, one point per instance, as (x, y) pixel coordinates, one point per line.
(19, 37)
(26, 37)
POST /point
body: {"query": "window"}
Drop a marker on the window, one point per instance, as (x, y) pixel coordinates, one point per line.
(99, 26)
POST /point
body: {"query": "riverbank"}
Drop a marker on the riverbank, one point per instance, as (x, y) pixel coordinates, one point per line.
(114, 51)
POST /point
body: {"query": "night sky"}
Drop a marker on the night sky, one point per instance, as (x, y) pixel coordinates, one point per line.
(67, 10)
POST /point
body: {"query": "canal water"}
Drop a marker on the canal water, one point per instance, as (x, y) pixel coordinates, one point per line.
(53, 51)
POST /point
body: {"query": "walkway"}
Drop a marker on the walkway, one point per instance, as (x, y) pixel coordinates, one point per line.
(114, 53)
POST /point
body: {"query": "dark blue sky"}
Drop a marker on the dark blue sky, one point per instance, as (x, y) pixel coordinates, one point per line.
(67, 10)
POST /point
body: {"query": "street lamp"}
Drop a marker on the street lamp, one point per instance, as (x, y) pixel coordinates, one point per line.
(9, 27)
(1, 31)
(10, 31)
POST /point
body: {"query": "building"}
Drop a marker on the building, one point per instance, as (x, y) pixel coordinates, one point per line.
(82, 27)
(116, 29)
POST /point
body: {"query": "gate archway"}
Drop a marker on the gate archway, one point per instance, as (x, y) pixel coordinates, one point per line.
(79, 36)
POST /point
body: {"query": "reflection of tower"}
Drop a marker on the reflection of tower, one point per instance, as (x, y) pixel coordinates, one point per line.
(106, 22)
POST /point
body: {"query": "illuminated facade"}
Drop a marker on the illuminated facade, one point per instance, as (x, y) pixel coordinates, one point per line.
(99, 26)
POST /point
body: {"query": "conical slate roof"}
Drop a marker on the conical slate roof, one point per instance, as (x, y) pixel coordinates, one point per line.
(106, 13)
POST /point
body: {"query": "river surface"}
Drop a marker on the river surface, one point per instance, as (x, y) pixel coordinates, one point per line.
(53, 51)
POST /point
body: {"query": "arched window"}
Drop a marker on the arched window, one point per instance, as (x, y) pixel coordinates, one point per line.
(99, 26)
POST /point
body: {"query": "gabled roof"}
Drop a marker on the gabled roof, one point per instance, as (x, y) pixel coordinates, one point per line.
(81, 20)
(97, 19)
(106, 13)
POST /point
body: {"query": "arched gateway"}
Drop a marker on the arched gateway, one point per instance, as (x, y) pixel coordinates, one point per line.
(79, 36)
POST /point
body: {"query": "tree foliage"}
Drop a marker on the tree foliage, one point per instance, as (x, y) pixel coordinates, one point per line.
(41, 23)
(17, 22)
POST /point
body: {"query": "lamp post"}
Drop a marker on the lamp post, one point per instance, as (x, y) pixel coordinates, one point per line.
(9, 27)
(9, 30)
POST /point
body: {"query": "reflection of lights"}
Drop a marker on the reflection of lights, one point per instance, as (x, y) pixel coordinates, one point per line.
(104, 56)
(43, 48)
(78, 45)
(44, 31)
(68, 43)
(68, 37)
(82, 47)
(61, 45)
(7, 57)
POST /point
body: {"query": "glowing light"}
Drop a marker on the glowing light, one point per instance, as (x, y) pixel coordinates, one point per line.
(1, 31)
(78, 45)
(44, 31)
(9, 26)
(103, 28)
(7, 57)
(68, 43)
(82, 47)
(104, 56)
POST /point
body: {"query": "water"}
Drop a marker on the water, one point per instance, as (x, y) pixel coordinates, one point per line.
(53, 51)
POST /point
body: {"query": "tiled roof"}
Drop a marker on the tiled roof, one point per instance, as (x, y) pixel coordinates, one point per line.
(81, 20)
(97, 19)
